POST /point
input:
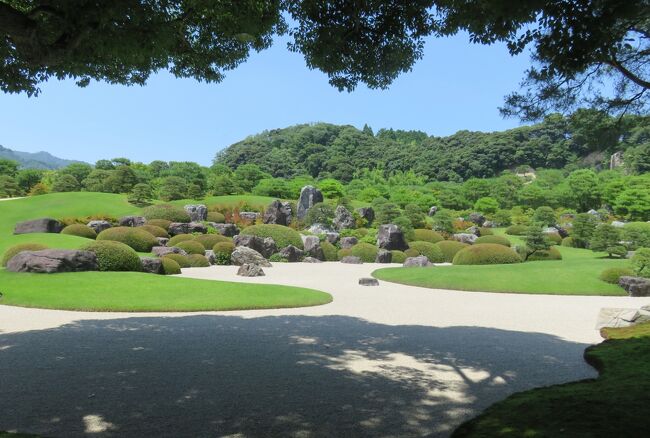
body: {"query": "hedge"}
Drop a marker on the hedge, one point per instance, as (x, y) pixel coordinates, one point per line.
(449, 249)
(539, 256)
(191, 247)
(223, 252)
(162, 223)
(138, 239)
(429, 250)
(343, 253)
(411, 252)
(215, 216)
(484, 231)
(499, 240)
(283, 236)
(166, 211)
(210, 240)
(13, 250)
(183, 261)
(80, 230)
(486, 254)
(611, 275)
(425, 235)
(517, 230)
(198, 261)
(398, 256)
(329, 251)
(170, 267)
(115, 256)
(180, 238)
(365, 251)
(155, 230)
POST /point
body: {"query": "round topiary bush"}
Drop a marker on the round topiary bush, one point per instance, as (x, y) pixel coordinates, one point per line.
(138, 239)
(424, 235)
(198, 261)
(486, 254)
(215, 216)
(191, 247)
(166, 211)
(568, 241)
(483, 231)
(183, 261)
(162, 223)
(449, 248)
(611, 275)
(329, 251)
(170, 267)
(365, 251)
(155, 230)
(516, 230)
(344, 252)
(80, 230)
(550, 254)
(411, 252)
(223, 252)
(554, 238)
(398, 256)
(283, 236)
(429, 250)
(210, 240)
(13, 250)
(180, 238)
(114, 256)
(499, 240)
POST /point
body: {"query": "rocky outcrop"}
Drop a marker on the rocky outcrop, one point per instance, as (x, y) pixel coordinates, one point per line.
(228, 230)
(319, 229)
(634, 286)
(197, 212)
(162, 241)
(49, 261)
(152, 265)
(313, 248)
(212, 258)
(367, 213)
(278, 213)
(243, 255)
(292, 254)
(353, 260)
(161, 251)
(264, 245)
(384, 256)
(309, 195)
(419, 261)
(465, 238)
(368, 281)
(132, 221)
(332, 237)
(43, 225)
(250, 217)
(390, 237)
(343, 218)
(99, 226)
(250, 270)
(477, 218)
(176, 228)
(348, 242)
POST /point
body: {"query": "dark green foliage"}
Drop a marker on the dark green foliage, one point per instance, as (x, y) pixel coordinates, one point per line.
(183, 261)
(365, 251)
(13, 250)
(283, 236)
(486, 254)
(486, 205)
(500, 240)
(114, 256)
(502, 218)
(544, 215)
(611, 275)
(554, 238)
(329, 251)
(568, 241)
(138, 239)
(449, 249)
(80, 230)
(170, 266)
(191, 247)
(223, 252)
(215, 216)
(198, 261)
(641, 262)
(320, 213)
(65, 183)
(398, 256)
(430, 250)
(636, 235)
(387, 213)
(209, 240)
(162, 223)
(172, 188)
(404, 224)
(583, 228)
(155, 230)
(415, 214)
(443, 222)
(517, 230)
(9, 188)
(166, 211)
(425, 235)
(141, 194)
(536, 242)
(606, 238)
(180, 238)
(540, 255)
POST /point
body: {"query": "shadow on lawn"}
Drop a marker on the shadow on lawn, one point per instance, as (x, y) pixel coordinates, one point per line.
(200, 376)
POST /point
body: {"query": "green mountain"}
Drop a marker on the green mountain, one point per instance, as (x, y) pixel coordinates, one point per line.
(35, 160)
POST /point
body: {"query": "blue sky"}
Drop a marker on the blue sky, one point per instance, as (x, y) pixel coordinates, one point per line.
(456, 86)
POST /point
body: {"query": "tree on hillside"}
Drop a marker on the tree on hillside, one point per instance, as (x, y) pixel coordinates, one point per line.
(79, 170)
(8, 187)
(536, 241)
(486, 205)
(8, 167)
(141, 194)
(172, 188)
(585, 189)
(606, 238)
(65, 183)
(28, 178)
(544, 215)
(583, 228)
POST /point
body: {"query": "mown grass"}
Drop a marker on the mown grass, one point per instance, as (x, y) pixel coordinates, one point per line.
(613, 405)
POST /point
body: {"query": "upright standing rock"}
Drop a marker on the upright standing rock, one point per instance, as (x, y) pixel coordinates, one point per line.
(313, 248)
(99, 226)
(367, 213)
(197, 212)
(384, 256)
(309, 195)
(343, 218)
(264, 245)
(390, 237)
(278, 213)
(433, 210)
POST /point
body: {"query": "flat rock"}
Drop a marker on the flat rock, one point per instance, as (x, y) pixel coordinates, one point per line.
(311, 260)
(368, 281)
(161, 251)
(176, 228)
(43, 225)
(49, 261)
(243, 255)
(152, 265)
(354, 260)
(250, 270)
(292, 253)
(635, 286)
(465, 237)
(99, 226)
(419, 261)
(132, 221)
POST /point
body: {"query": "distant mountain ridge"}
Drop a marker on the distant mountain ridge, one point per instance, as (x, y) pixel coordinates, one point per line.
(35, 160)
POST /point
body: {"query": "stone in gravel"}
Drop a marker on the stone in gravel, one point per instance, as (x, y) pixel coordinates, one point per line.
(292, 253)
(49, 261)
(250, 270)
(348, 242)
(635, 286)
(311, 260)
(419, 261)
(354, 260)
(99, 226)
(243, 255)
(264, 245)
(176, 228)
(313, 248)
(43, 225)
(198, 212)
(390, 237)
(132, 221)
(368, 281)
(384, 256)
(161, 251)
(343, 218)
(152, 265)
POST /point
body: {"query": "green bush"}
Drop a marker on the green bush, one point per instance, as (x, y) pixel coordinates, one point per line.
(424, 235)
(80, 230)
(484, 231)
(283, 236)
(637, 235)
(180, 238)
(517, 230)
(277, 258)
(166, 211)
(210, 240)
(641, 262)
(486, 254)
(191, 247)
(554, 238)
(162, 223)
(13, 250)
(138, 239)
(329, 251)
(343, 253)
(114, 256)
(170, 267)
(365, 251)
(155, 230)
(499, 240)
(198, 261)
(183, 261)
(449, 249)
(611, 275)
(569, 242)
(398, 256)
(548, 254)
(411, 252)
(429, 250)
(215, 216)
(223, 252)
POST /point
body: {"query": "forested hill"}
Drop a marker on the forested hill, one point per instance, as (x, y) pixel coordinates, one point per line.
(35, 160)
(323, 150)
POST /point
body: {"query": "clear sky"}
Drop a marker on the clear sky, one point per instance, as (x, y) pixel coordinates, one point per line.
(456, 86)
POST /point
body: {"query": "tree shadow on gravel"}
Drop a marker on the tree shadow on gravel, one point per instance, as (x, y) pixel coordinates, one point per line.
(205, 376)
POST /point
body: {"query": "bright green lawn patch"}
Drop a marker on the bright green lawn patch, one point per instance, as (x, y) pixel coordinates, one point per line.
(576, 274)
(139, 292)
(613, 405)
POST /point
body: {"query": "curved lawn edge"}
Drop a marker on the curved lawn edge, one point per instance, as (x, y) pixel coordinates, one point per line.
(139, 292)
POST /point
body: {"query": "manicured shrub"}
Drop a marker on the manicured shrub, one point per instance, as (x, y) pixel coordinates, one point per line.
(449, 249)
(554, 238)
(568, 241)
(210, 240)
(180, 238)
(170, 267)
(365, 251)
(114, 256)
(329, 251)
(183, 261)
(198, 261)
(13, 250)
(343, 253)
(641, 262)
(516, 230)
(166, 211)
(429, 250)
(499, 240)
(162, 223)
(483, 231)
(611, 275)
(398, 256)
(80, 230)
(138, 239)
(424, 235)
(215, 216)
(283, 236)
(223, 252)
(277, 258)
(486, 254)
(191, 247)
(548, 254)
(637, 235)
(155, 231)
(411, 252)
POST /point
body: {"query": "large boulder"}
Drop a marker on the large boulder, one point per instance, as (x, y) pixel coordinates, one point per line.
(332, 237)
(313, 248)
(211, 256)
(152, 265)
(250, 270)
(99, 226)
(264, 245)
(162, 241)
(250, 217)
(634, 286)
(367, 213)
(228, 230)
(49, 261)
(309, 195)
(292, 253)
(161, 251)
(243, 255)
(384, 256)
(278, 213)
(343, 218)
(465, 238)
(368, 281)
(390, 237)
(132, 221)
(353, 260)
(186, 228)
(198, 212)
(477, 218)
(43, 225)
(348, 242)
(419, 261)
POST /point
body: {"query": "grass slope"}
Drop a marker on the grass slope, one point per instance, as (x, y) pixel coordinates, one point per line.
(613, 405)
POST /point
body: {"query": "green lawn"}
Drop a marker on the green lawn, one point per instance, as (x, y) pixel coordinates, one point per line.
(613, 405)
(576, 274)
